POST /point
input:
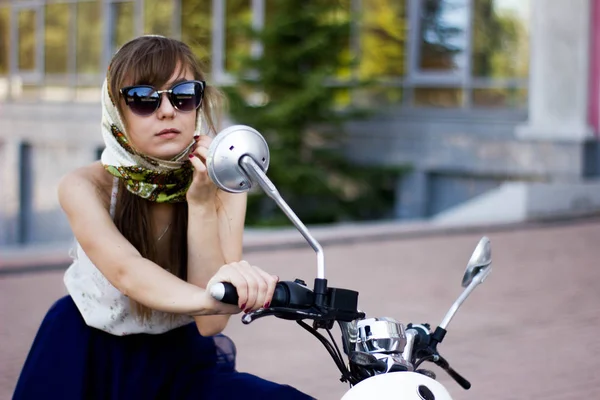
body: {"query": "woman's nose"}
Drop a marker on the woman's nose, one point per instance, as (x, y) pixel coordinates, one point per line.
(166, 109)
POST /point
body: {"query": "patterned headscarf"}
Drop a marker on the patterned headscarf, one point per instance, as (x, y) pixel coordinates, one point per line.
(148, 177)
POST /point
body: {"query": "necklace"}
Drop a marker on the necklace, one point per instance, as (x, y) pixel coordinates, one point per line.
(163, 234)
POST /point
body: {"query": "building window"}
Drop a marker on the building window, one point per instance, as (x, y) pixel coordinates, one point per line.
(238, 19)
(58, 52)
(88, 39)
(196, 28)
(443, 36)
(383, 43)
(56, 38)
(500, 39)
(26, 20)
(158, 17)
(500, 56)
(230, 39)
(122, 24)
(4, 40)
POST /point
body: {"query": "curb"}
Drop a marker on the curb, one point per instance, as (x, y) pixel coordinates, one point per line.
(54, 257)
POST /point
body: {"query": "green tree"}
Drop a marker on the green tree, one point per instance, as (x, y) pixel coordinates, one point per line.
(290, 94)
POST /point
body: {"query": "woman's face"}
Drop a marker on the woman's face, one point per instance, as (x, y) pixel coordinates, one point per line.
(166, 132)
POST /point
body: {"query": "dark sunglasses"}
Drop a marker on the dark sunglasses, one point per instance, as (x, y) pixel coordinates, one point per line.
(144, 99)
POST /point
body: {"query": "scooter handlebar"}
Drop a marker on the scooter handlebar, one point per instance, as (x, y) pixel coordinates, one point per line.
(286, 294)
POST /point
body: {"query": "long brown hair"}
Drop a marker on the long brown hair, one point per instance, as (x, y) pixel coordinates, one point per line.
(152, 60)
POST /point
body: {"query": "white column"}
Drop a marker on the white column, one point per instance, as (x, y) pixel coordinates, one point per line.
(559, 71)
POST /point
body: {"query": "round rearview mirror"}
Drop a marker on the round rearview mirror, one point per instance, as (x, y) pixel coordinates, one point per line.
(225, 152)
(480, 260)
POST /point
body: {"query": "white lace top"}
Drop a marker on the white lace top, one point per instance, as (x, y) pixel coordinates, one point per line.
(102, 305)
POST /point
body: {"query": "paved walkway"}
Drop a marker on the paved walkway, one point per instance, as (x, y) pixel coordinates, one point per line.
(529, 332)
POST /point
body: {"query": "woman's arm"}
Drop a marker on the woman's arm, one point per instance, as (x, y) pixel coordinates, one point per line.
(215, 234)
(215, 230)
(119, 261)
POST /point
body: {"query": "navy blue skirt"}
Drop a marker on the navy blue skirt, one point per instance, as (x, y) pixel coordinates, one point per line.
(70, 360)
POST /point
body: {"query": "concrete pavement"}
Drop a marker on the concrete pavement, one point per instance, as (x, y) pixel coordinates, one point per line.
(528, 332)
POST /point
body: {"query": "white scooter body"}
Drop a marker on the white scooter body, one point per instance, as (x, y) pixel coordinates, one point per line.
(398, 385)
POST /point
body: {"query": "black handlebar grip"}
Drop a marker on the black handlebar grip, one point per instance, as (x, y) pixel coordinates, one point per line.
(227, 293)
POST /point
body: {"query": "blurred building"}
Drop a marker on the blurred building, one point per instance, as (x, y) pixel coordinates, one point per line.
(494, 103)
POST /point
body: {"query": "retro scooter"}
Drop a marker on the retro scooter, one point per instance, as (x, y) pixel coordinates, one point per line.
(384, 358)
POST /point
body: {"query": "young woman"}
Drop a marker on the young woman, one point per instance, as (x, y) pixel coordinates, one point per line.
(153, 232)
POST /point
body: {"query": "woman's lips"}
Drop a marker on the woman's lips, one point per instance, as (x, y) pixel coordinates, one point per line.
(168, 133)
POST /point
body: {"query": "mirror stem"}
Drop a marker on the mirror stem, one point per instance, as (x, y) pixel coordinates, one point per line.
(255, 171)
(476, 281)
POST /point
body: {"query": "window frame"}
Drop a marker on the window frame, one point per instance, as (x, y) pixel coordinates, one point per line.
(414, 77)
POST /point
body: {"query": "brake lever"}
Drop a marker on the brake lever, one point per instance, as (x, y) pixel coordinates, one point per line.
(281, 312)
(443, 364)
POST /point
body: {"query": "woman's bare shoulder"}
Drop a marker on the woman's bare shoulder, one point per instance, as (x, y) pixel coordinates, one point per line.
(90, 180)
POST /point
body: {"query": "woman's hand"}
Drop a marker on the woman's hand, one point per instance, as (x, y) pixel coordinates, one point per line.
(254, 286)
(202, 190)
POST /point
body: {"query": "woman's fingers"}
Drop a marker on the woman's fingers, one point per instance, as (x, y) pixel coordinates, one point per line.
(201, 152)
(257, 286)
(197, 163)
(198, 155)
(254, 286)
(257, 282)
(203, 140)
(249, 290)
(271, 282)
(203, 144)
